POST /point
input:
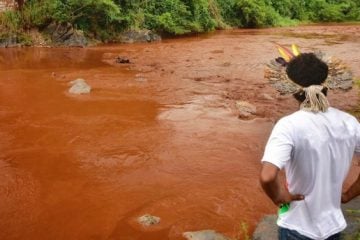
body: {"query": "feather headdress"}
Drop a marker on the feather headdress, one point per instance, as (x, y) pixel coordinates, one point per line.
(340, 76)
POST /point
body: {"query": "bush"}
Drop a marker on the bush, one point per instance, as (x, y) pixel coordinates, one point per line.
(323, 11)
(10, 22)
(201, 19)
(91, 16)
(173, 16)
(170, 16)
(256, 13)
(350, 10)
(290, 9)
(216, 14)
(36, 14)
(228, 13)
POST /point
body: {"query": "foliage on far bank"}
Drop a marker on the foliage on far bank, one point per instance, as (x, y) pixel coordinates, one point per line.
(104, 19)
(99, 18)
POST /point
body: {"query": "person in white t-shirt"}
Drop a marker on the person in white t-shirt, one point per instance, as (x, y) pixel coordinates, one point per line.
(315, 146)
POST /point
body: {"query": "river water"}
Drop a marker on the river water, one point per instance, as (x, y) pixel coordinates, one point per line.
(158, 136)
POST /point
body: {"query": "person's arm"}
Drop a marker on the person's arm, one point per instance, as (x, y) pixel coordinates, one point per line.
(352, 192)
(354, 189)
(273, 187)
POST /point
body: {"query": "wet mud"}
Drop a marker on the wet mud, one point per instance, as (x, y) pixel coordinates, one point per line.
(159, 135)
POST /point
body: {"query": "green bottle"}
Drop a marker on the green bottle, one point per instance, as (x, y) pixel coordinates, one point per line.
(284, 208)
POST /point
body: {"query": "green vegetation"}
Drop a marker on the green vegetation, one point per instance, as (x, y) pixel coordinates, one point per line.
(103, 19)
(243, 232)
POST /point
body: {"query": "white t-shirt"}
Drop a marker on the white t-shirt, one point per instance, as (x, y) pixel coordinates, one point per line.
(316, 150)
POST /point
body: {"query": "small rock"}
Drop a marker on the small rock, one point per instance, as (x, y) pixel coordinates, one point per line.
(140, 78)
(122, 60)
(79, 86)
(266, 96)
(204, 235)
(245, 109)
(148, 220)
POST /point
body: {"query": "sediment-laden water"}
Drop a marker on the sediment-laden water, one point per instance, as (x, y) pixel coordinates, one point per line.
(158, 136)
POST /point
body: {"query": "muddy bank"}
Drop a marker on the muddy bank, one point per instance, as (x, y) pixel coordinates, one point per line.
(160, 135)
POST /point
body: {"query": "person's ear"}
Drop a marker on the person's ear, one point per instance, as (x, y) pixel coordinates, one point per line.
(325, 91)
(300, 95)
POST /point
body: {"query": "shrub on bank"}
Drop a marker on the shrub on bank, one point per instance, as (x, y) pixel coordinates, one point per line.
(104, 19)
(172, 16)
(255, 13)
(10, 22)
(99, 18)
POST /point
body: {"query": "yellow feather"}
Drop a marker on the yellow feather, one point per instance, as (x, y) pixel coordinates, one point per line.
(284, 54)
(295, 50)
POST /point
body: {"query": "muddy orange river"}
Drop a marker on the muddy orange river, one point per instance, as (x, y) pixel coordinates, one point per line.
(157, 136)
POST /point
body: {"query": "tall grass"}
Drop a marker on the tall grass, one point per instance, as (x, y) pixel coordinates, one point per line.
(10, 22)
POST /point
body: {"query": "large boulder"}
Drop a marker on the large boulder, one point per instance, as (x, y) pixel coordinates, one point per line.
(65, 34)
(133, 36)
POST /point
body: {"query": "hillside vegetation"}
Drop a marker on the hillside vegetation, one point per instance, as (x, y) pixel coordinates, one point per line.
(104, 19)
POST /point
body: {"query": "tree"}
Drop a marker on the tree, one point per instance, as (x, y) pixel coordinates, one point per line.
(20, 3)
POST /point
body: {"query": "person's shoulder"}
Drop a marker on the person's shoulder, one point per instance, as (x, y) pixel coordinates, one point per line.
(289, 120)
(337, 113)
(297, 121)
(295, 116)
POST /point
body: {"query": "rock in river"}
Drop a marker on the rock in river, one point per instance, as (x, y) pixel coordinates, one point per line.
(148, 220)
(245, 109)
(79, 86)
(122, 60)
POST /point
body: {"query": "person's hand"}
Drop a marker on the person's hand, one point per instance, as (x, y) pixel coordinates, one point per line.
(352, 192)
(286, 197)
(345, 198)
(277, 192)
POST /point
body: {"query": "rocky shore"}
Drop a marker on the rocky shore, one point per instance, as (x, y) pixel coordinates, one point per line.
(66, 35)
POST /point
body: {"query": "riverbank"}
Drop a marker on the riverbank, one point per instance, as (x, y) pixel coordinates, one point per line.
(78, 23)
(160, 135)
(66, 36)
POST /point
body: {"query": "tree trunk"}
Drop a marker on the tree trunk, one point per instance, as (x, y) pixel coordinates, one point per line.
(20, 4)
